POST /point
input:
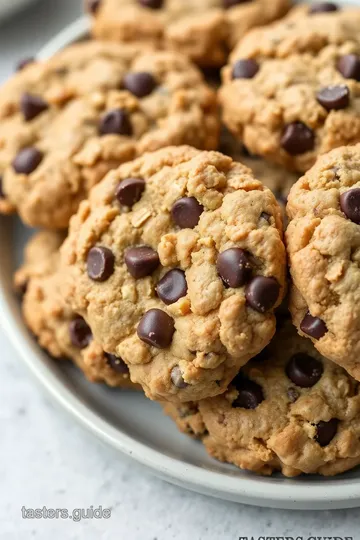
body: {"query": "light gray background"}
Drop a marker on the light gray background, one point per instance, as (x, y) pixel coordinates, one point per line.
(46, 459)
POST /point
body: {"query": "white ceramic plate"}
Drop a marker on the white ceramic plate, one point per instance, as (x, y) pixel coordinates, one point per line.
(136, 426)
(8, 7)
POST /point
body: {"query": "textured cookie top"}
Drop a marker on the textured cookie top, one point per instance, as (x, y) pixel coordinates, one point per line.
(289, 409)
(176, 261)
(61, 332)
(65, 123)
(324, 248)
(203, 29)
(292, 90)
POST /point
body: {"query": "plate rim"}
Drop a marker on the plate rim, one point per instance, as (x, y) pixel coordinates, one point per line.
(250, 490)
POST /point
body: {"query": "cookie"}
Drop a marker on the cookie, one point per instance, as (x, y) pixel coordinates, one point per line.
(66, 122)
(204, 30)
(324, 251)
(288, 410)
(61, 332)
(176, 262)
(187, 418)
(291, 91)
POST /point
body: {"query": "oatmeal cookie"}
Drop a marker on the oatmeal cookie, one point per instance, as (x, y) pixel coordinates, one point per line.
(176, 262)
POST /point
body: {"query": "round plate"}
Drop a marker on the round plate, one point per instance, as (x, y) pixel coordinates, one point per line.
(136, 426)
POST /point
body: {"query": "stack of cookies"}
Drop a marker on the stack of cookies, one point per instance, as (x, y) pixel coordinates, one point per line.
(163, 265)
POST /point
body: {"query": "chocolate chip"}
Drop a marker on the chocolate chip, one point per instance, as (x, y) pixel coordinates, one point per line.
(31, 106)
(265, 216)
(80, 333)
(262, 293)
(245, 69)
(186, 212)
(116, 122)
(231, 3)
(156, 328)
(350, 204)
(304, 370)
(2, 194)
(323, 7)
(116, 363)
(140, 84)
(313, 326)
(349, 66)
(141, 261)
(24, 62)
(129, 191)
(297, 138)
(172, 286)
(27, 160)
(100, 263)
(250, 393)
(293, 394)
(152, 4)
(326, 431)
(177, 378)
(334, 97)
(93, 6)
(234, 268)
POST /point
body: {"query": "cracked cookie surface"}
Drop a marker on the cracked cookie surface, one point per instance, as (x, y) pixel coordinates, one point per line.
(66, 122)
(176, 262)
(205, 30)
(291, 90)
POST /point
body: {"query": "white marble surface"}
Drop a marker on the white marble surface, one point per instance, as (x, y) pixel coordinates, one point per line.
(46, 459)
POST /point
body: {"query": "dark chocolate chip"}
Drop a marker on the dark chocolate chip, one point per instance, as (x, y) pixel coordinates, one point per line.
(116, 122)
(93, 6)
(31, 106)
(350, 204)
(349, 66)
(304, 370)
(100, 263)
(250, 393)
(27, 160)
(245, 69)
(140, 84)
(172, 286)
(156, 328)
(234, 268)
(141, 261)
(152, 4)
(80, 333)
(186, 212)
(177, 378)
(323, 7)
(334, 97)
(262, 293)
(293, 394)
(116, 363)
(297, 138)
(326, 431)
(24, 62)
(313, 326)
(129, 191)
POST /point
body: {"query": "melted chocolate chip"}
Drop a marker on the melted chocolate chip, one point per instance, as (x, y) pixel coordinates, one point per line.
(262, 293)
(117, 364)
(80, 333)
(100, 263)
(129, 191)
(323, 7)
(186, 212)
(156, 328)
(313, 326)
(177, 378)
(334, 97)
(27, 160)
(245, 69)
(250, 393)
(326, 431)
(141, 261)
(304, 370)
(116, 122)
(350, 204)
(297, 138)
(349, 66)
(140, 84)
(172, 286)
(234, 268)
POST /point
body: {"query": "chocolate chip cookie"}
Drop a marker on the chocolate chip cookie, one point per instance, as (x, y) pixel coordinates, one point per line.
(205, 30)
(324, 251)
(176, 262)
(64, 123)
(58, 329)
(289, 409)
(292, 90)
